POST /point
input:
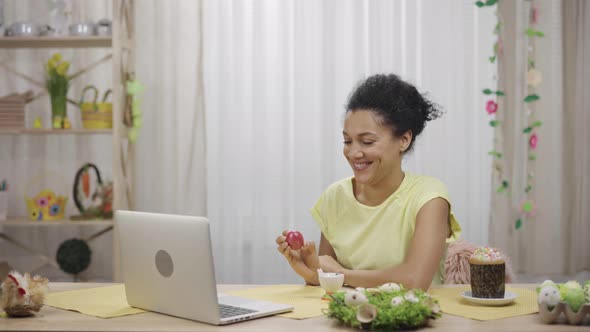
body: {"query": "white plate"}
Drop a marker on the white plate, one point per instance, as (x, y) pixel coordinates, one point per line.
(508, 298)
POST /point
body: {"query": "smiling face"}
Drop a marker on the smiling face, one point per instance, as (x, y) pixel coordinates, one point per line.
(371, 148)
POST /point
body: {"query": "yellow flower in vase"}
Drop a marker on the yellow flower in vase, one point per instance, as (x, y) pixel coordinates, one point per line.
(51, 64)
(63, 67)
(57, 82)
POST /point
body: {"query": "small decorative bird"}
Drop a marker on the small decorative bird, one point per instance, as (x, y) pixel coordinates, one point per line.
(22, 296)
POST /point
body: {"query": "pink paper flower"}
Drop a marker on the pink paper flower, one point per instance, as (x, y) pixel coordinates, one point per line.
(42, 201)
(533, 140)
(534, 77)
(491, 107)
(535, 15)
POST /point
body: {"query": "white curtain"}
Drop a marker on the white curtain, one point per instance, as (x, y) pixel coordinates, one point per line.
(560, 173)
(277, 76)
(576, 35)
(171, 150)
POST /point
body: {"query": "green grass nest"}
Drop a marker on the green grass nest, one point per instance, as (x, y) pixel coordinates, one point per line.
(406, 315)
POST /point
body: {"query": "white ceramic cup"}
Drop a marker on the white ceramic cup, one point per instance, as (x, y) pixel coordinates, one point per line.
(331, 282)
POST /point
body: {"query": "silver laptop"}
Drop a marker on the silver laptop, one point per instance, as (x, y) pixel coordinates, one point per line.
(167, 266)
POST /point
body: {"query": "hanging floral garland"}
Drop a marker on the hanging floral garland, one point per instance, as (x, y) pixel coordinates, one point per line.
(491, 105)
(533, 77)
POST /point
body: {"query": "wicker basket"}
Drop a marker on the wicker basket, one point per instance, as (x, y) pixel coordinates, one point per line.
(96, 115)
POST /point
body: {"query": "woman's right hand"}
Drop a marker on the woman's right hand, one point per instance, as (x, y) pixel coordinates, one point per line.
(304, 261)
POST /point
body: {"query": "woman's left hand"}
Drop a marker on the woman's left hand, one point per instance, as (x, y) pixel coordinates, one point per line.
(329, 264)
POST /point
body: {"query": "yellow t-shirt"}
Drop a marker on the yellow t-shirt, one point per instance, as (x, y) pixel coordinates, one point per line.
(377, 237)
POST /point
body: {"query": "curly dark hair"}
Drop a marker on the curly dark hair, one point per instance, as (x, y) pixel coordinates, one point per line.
(399, 104)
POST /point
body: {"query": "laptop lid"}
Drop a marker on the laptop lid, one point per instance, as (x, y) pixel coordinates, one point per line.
(167, 264)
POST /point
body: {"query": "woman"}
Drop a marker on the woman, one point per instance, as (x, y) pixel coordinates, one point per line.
(382, 224)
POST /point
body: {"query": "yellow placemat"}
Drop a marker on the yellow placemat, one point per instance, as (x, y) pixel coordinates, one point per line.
(103, 302)
(451, 302)
(306, 300)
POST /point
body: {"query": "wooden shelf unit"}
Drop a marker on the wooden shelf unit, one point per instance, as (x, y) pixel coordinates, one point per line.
(122, 43)
(26, 222)
(56, 42)
(31, 131)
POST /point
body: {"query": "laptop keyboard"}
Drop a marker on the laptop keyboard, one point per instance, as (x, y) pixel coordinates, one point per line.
(230, 311)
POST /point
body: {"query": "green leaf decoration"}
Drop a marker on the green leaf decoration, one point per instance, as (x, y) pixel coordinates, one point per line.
(492, 59)
(495, 154)
(530, 32)
(494, 123)
(499, 93)
(491, 2)
(487, 92)
(537, 124)
(497, 28)
(533, 33)
(532, 63)
(134, 88)
(528, 189)
(518, 224)
(503, 187)
(532, 157)
(531, 98)
(480, 4)
(527, 130)
(496, 48)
